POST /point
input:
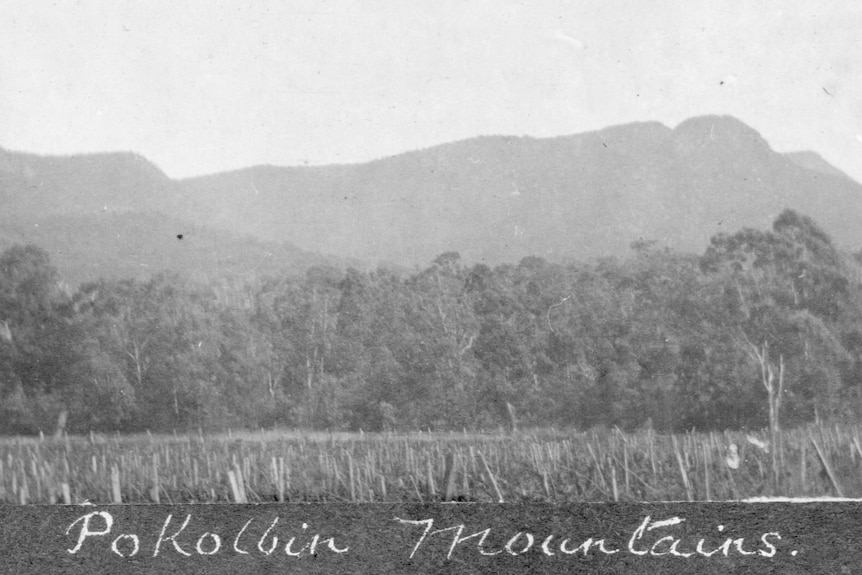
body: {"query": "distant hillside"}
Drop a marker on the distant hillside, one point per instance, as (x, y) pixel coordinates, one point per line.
(33, 185)
(493, 199)
(109, 215)
(141, 244)
(813, 161)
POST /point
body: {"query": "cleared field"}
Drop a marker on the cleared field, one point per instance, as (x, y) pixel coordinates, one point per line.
(544, 465)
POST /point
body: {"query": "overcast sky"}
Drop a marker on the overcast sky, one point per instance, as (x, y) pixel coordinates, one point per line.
(205, 86)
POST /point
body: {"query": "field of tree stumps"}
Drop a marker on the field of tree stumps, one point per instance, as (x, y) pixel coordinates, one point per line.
(520, 467)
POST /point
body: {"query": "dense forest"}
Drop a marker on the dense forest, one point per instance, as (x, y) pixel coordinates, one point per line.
(662, 339)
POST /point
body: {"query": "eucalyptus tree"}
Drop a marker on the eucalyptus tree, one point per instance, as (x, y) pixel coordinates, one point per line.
(783, 293)
(36, 352)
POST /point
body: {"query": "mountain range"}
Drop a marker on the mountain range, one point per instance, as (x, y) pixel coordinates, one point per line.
(493, 199)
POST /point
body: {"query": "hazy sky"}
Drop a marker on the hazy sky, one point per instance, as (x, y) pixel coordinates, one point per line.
(204, 86)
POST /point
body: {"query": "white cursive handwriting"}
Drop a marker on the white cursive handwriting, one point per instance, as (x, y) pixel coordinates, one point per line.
(650, 538)
(98, 527)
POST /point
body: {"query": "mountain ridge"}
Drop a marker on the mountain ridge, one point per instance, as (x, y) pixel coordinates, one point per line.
(633, 166)
(493, 199)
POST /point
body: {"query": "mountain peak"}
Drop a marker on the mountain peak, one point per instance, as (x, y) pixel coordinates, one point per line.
(702, 131)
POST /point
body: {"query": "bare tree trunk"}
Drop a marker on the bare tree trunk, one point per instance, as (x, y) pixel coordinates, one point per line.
(774, 394)
(135, 354)
(5, 332)
(513, 421)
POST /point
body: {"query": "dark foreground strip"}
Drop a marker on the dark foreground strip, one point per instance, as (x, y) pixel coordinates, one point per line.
(442, 538)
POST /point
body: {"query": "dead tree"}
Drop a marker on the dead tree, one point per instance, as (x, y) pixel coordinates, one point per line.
(513, 420)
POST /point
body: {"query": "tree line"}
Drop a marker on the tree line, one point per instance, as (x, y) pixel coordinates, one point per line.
(762, 325)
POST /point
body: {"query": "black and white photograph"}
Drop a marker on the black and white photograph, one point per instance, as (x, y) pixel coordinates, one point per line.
(382, 252)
